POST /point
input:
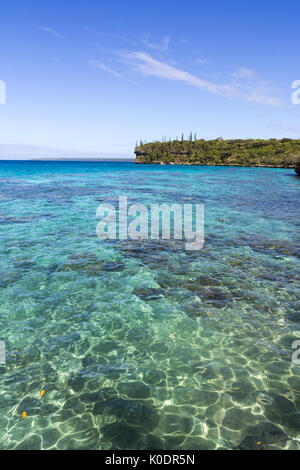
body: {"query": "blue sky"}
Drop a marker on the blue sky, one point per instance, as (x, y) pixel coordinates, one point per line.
(91, 78)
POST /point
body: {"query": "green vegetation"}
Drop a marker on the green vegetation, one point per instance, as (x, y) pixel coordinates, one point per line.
(282, 153)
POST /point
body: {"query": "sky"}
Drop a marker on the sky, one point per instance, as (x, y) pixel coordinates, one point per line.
(91, 78)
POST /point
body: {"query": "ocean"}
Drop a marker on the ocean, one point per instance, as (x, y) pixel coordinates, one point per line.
(140, 344)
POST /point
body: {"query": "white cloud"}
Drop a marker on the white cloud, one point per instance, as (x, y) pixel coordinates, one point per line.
(51, 31)
(101, 66)
(158, 46)
(244, 73)
(145, 64)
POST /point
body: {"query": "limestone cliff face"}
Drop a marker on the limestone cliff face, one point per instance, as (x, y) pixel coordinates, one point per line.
(297, 169)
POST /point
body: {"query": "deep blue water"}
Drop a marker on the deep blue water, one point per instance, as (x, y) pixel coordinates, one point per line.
(140, 344)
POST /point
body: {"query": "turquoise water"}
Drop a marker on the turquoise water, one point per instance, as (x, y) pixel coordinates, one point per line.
(140, 344)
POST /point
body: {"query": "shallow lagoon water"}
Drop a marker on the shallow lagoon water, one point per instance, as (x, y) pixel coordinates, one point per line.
(140, 344)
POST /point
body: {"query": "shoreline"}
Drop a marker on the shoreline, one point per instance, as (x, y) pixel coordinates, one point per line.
(211, 164)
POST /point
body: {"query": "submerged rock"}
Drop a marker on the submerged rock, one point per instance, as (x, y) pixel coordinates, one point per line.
(154, 377)
(134, 390)
(205, 370)
(293, 317)
(89, 263)
(202, 281)
(86, 264)
(214, 296)
(194, 397)
(197, 310)
(261, 435)
(23, 263)
(105, 347)
(90, 360)
(9, 278)
(113, 266)
(176, 424)
(284, 247)
(148, 293)
(123, 436)
(49, 437)
(23, 357)
(30, 405)
(133, 412)
(104, 370)
(32, 442)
